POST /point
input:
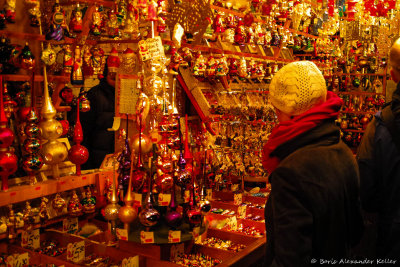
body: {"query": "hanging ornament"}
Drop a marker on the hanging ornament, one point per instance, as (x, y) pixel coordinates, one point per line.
(193, 214)
(184, 176)
(113, 61)
(204, 204)
(76, 22)
(125, 163)
(8, 160)
(9, 103)
(77, 73)
(26, 58)
(10, 10)
(128, 64)
(149, 216)
(112, 24)
(48, 55)
(34, 12)
(97, 22)
(78, 154)
(74, 205)
(152, 10)
(53, 151)
(240, 33)
(58, 28)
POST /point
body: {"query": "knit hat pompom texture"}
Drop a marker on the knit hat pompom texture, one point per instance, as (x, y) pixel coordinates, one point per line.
(297, 87)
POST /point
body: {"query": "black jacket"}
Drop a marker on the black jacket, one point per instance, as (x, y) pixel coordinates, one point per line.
(313, 212)
(379, 162)
(95, 123)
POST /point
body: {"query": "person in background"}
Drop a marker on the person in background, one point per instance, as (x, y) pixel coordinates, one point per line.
(313, 212)
(378, 157)
(97, 139)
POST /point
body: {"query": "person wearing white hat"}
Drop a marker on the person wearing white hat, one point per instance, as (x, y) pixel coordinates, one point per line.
(313, 211)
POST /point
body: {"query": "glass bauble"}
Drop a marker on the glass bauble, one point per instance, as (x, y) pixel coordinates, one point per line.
(173, 218)
(146, 143)
(127, 214)
(111, 211)
(149, 216)
(32, 162)
(6, 137)
(194, 216)
(32, 145)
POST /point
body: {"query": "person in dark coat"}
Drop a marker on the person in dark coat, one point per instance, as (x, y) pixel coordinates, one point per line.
(97, 139)
(313, 213)
(379, 160)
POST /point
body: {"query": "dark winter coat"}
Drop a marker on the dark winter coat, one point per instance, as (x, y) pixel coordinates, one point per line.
(379, 162)
(313, 212)
(95, 123)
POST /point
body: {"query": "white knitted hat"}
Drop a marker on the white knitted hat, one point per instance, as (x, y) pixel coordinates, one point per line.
(297, 87)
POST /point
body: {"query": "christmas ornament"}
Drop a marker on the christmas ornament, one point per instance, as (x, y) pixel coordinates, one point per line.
(77, 73)
(152, 11)
(48, 55)
(58, 28)
(140, 175)
(76, 22)
(26, 58)
(68, 59)
(112, 24)
(128, 213)
(149, 216)
(58, 203)
(111, 211)
(97, 22)
(173, 218)
(53, 151)
(9, 104)
(128, 64)
(43, 212)
(8, 160)
(74, 205)
(113, 61)
(10, 10)
(78, 154)
(34, 12)
(124, 160)
(88, 202)
(204, 204)
(240, 33)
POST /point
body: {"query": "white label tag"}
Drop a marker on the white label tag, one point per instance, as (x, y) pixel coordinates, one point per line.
(20, 260)
(130, 262)
(30, 239)
(237, 199)
(146, 237)
(122, 234)
(174, 236)
(164, 199)
(76, 251)
(232, 223)
(241, 212)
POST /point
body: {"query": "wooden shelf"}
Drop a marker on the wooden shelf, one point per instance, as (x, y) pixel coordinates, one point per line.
(356, 74)
(352, 130)
(359, 112)
(26, 192)
(34, 36)
(38, 78)
(98, 2)
(358, 93)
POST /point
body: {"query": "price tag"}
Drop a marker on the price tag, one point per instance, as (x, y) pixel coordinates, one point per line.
(146, 237)
(76, 251)
(241, 212)
(196, 235)
(122, 234)
(164, 199)
(70, 225)
(174, 236)
(177, 251)
(234, 187)
(137, 199)
(130, 262)
(186, 196)
(20, 260)
(30, 239)
(231, 223)
(237, 199)
(209, 194)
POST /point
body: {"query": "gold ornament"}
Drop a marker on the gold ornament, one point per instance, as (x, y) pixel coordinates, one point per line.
(53, 151)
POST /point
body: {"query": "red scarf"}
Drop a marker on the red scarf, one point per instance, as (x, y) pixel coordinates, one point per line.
(287, 130)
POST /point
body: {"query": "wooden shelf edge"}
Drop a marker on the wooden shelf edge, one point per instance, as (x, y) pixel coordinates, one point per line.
(38, 78)
(26, 192)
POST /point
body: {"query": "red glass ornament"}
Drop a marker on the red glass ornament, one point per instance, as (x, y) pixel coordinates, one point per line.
(78, 154)
(8, 165)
